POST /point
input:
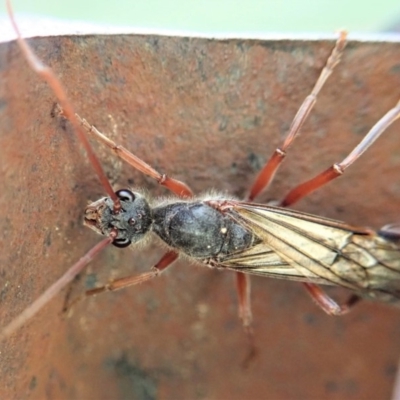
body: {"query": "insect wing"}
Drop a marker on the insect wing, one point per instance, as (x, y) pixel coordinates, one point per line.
(262, 260)
(299, 246)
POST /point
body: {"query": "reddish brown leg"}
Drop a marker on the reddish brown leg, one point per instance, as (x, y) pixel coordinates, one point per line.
(270, 168)
(243, 286)
(166, 260)
(243, 290)
(53, 290)
(267, 173)
(175, 186)
(327, 303)
(48, 75)
(320, 297)
(338, 169)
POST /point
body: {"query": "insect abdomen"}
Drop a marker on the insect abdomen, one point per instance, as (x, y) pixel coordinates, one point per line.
(199, 230)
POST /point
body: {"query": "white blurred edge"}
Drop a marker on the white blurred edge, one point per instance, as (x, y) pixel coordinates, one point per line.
(37, 26)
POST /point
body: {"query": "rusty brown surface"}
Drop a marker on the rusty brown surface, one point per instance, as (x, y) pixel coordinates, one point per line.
(209, 113)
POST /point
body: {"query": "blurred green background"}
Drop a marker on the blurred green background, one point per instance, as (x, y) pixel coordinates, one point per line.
(225, 15)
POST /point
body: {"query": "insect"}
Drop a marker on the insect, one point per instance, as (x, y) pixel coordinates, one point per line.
(242, 236)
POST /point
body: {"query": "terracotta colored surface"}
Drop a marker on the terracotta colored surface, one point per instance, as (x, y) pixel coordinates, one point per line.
(209, 113)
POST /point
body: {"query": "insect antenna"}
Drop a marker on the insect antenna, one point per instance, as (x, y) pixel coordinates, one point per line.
(47, 74)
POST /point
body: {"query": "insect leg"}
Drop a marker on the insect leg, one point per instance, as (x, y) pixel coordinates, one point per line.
(48, 75)
(338, 169)
(329, 305)
(177, 187)
(270, 168)
(267, 173)
(166, 260)
(53, 290)
(243, 290)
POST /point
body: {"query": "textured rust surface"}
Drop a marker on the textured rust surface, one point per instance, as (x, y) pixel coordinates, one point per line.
(209, 113)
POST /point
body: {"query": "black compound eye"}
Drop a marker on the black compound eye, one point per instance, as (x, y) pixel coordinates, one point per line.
(121, 243)
(125, 195)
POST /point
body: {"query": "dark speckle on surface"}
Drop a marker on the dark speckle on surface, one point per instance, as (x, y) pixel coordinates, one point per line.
(33, 383)
(331, 387)
(390, 370)
(255, 161)
(90, 281)
(309, 319)
(345, 387)
(154, 41)
(3, 103)
(133, 381)
(395, 69)
(339, 209)
(47, 241)
(223, 123)
(160, 142)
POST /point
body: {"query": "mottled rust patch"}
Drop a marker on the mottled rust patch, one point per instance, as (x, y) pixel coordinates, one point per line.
(207, 112)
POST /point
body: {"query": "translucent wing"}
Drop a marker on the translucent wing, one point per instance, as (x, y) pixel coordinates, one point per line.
(262, 260)
(304, 247)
